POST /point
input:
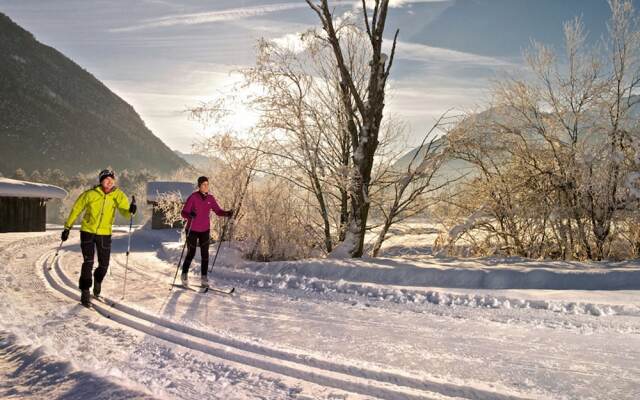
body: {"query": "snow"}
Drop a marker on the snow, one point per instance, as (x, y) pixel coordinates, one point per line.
(48, 377)
(345, 248)
(313, 329)
(19, 59)
(452, 273)
(155, 189)
(16, 188)
(457, 230)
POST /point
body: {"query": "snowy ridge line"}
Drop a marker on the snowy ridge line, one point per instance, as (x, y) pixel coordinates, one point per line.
(416, 296)
(350, 378)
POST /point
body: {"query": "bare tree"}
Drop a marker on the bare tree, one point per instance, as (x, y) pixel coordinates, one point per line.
(554, 155)
(293, 125)
(363, 112)
(303, 125)
(170, 204)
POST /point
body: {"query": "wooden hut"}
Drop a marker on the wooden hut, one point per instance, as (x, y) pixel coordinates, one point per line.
(23, 205)
(159, 188)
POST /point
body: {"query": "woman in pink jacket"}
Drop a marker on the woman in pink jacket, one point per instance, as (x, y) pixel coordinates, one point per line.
(196, 210)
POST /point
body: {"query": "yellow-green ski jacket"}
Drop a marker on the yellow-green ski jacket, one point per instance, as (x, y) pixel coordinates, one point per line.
(100, 210)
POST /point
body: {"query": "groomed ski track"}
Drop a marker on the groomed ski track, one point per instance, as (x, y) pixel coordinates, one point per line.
(375, 383)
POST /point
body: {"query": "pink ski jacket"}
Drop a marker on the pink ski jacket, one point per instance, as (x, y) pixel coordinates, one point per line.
(201, 204)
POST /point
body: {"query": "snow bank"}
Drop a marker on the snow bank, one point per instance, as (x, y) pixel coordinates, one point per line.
(417, 296)
(402, 281)
(155, 189)
(16, 188)
(400, 272)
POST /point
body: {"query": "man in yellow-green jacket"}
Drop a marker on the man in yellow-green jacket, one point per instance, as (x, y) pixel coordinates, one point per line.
(99, 205)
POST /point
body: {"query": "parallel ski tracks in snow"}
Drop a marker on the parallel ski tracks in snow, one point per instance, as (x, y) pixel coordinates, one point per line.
(351, 378)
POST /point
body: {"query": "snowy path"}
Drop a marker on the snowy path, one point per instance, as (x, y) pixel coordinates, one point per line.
(298, 344)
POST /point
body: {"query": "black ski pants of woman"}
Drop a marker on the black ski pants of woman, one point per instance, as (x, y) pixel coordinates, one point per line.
(195, 239)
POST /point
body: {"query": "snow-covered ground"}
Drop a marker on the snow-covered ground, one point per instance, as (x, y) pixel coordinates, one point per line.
(407, 326)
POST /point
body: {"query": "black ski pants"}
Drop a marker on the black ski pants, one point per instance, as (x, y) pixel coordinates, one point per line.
(195, 239)
(89, 243)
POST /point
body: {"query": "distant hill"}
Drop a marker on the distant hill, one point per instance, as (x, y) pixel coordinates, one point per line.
(200, 162)
(54, 114)
(452, 168)
(455, 168)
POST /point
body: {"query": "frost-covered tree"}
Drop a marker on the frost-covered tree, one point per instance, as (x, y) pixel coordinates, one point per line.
(170, 205)
(363, 111)
(304, 132)
(555, 156)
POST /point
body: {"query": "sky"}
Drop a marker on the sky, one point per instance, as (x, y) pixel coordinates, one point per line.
(165, 56)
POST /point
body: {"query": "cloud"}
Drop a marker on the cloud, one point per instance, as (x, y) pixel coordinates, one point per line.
(429, 54)
(411, 51)
(401, 3)
(211, 16)
(291, 41)
(396, 3)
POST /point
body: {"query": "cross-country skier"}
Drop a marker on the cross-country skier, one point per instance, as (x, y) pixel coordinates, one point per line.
(99, 205)
(196, 210)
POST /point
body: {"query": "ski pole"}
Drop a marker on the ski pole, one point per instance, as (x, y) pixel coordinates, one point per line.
(56, 255)
(186, 239)
(126, 264)
(224, 228)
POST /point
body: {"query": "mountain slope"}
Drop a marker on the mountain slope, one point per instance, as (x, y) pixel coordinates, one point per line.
(54, 114)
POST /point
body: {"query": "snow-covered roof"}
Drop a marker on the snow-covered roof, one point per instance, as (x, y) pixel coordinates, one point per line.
(16, 188)
(154, 189)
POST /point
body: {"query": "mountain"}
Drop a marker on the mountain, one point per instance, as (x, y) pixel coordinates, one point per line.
(452, 168)
(471, 128)
(54, 114)
(199, 162)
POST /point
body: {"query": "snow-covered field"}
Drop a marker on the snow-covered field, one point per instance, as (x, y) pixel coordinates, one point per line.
(409, 326)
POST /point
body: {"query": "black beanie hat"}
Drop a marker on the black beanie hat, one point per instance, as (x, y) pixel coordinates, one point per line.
(105, 173)
(202, 179)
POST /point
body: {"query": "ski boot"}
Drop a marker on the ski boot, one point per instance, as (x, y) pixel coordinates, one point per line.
(185, 279)
(85, 298)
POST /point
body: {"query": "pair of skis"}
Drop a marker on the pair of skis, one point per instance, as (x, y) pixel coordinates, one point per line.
(101, 300)
(205, 289)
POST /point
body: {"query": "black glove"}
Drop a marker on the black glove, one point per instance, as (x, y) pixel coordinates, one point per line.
(65, 235)
(192, 214)
(133, 208)
(228, 213)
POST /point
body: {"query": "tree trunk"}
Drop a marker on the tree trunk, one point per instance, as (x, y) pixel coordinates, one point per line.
(328, 242)
(344, 214)
(367, 113)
